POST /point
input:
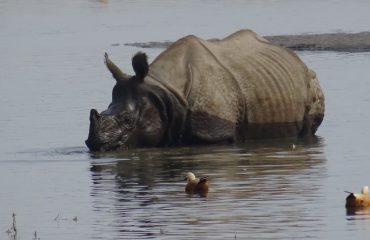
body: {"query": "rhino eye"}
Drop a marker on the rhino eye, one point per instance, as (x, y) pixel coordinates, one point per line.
(126, 119)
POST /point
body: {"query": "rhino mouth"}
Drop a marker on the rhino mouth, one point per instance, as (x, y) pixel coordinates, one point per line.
(98, 144)
(105, 133)
(105, 147)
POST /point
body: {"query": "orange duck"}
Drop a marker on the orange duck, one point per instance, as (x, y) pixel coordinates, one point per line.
(196, 185)
(358, 200)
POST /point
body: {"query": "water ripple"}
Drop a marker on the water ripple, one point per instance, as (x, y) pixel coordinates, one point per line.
(269, 191)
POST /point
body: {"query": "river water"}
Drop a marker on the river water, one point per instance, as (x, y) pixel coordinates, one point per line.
(52, 73)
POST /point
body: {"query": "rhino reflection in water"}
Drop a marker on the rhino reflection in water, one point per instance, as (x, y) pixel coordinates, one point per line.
(196, 91)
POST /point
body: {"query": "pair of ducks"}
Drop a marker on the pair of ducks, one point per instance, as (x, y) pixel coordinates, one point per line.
(200, 186)
(195, 185)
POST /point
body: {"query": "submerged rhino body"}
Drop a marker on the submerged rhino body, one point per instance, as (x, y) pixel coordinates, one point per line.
(197, 91)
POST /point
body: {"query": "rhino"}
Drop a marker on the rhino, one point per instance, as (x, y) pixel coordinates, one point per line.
(201, 92)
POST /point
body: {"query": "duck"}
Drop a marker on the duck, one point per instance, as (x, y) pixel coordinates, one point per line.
(358, 200)
(196, 185)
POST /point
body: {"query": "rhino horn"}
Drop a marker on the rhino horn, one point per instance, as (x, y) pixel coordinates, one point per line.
(114, 69)
(94, 115)
(140, 66)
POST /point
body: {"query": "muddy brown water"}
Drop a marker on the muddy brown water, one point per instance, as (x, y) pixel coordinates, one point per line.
(52, 73)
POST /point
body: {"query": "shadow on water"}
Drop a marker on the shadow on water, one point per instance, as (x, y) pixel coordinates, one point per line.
(148, 165)
(263, 187)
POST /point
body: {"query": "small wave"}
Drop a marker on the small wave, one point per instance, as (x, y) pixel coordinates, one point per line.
(64, 153)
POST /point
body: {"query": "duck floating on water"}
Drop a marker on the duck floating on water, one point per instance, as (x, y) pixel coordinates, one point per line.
(196, 185)
(358, 200)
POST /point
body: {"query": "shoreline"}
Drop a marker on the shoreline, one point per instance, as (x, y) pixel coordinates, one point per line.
(340, 42)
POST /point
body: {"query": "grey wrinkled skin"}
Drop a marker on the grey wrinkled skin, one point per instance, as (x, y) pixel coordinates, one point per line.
(138, 115)
(196, 91)
(126, 123)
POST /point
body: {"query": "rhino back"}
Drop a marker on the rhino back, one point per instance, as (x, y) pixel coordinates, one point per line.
(274, 81)
(235, 85)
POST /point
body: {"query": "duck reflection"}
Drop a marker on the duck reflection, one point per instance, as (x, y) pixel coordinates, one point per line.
(365, 211)
(143, 189)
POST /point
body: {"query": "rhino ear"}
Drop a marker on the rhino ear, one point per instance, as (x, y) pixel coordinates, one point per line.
(140, 65)
(116, 72)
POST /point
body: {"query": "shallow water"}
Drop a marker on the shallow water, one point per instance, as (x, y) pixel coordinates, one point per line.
(52, 73)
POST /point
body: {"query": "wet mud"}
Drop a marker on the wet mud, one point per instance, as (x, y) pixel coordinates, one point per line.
(342, 42)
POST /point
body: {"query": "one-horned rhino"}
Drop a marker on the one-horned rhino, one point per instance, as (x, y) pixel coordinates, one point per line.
(197, 91)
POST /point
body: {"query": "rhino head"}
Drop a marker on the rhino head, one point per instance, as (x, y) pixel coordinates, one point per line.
(135, 117)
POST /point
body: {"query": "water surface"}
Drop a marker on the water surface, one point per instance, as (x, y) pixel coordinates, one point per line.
(52, 73)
